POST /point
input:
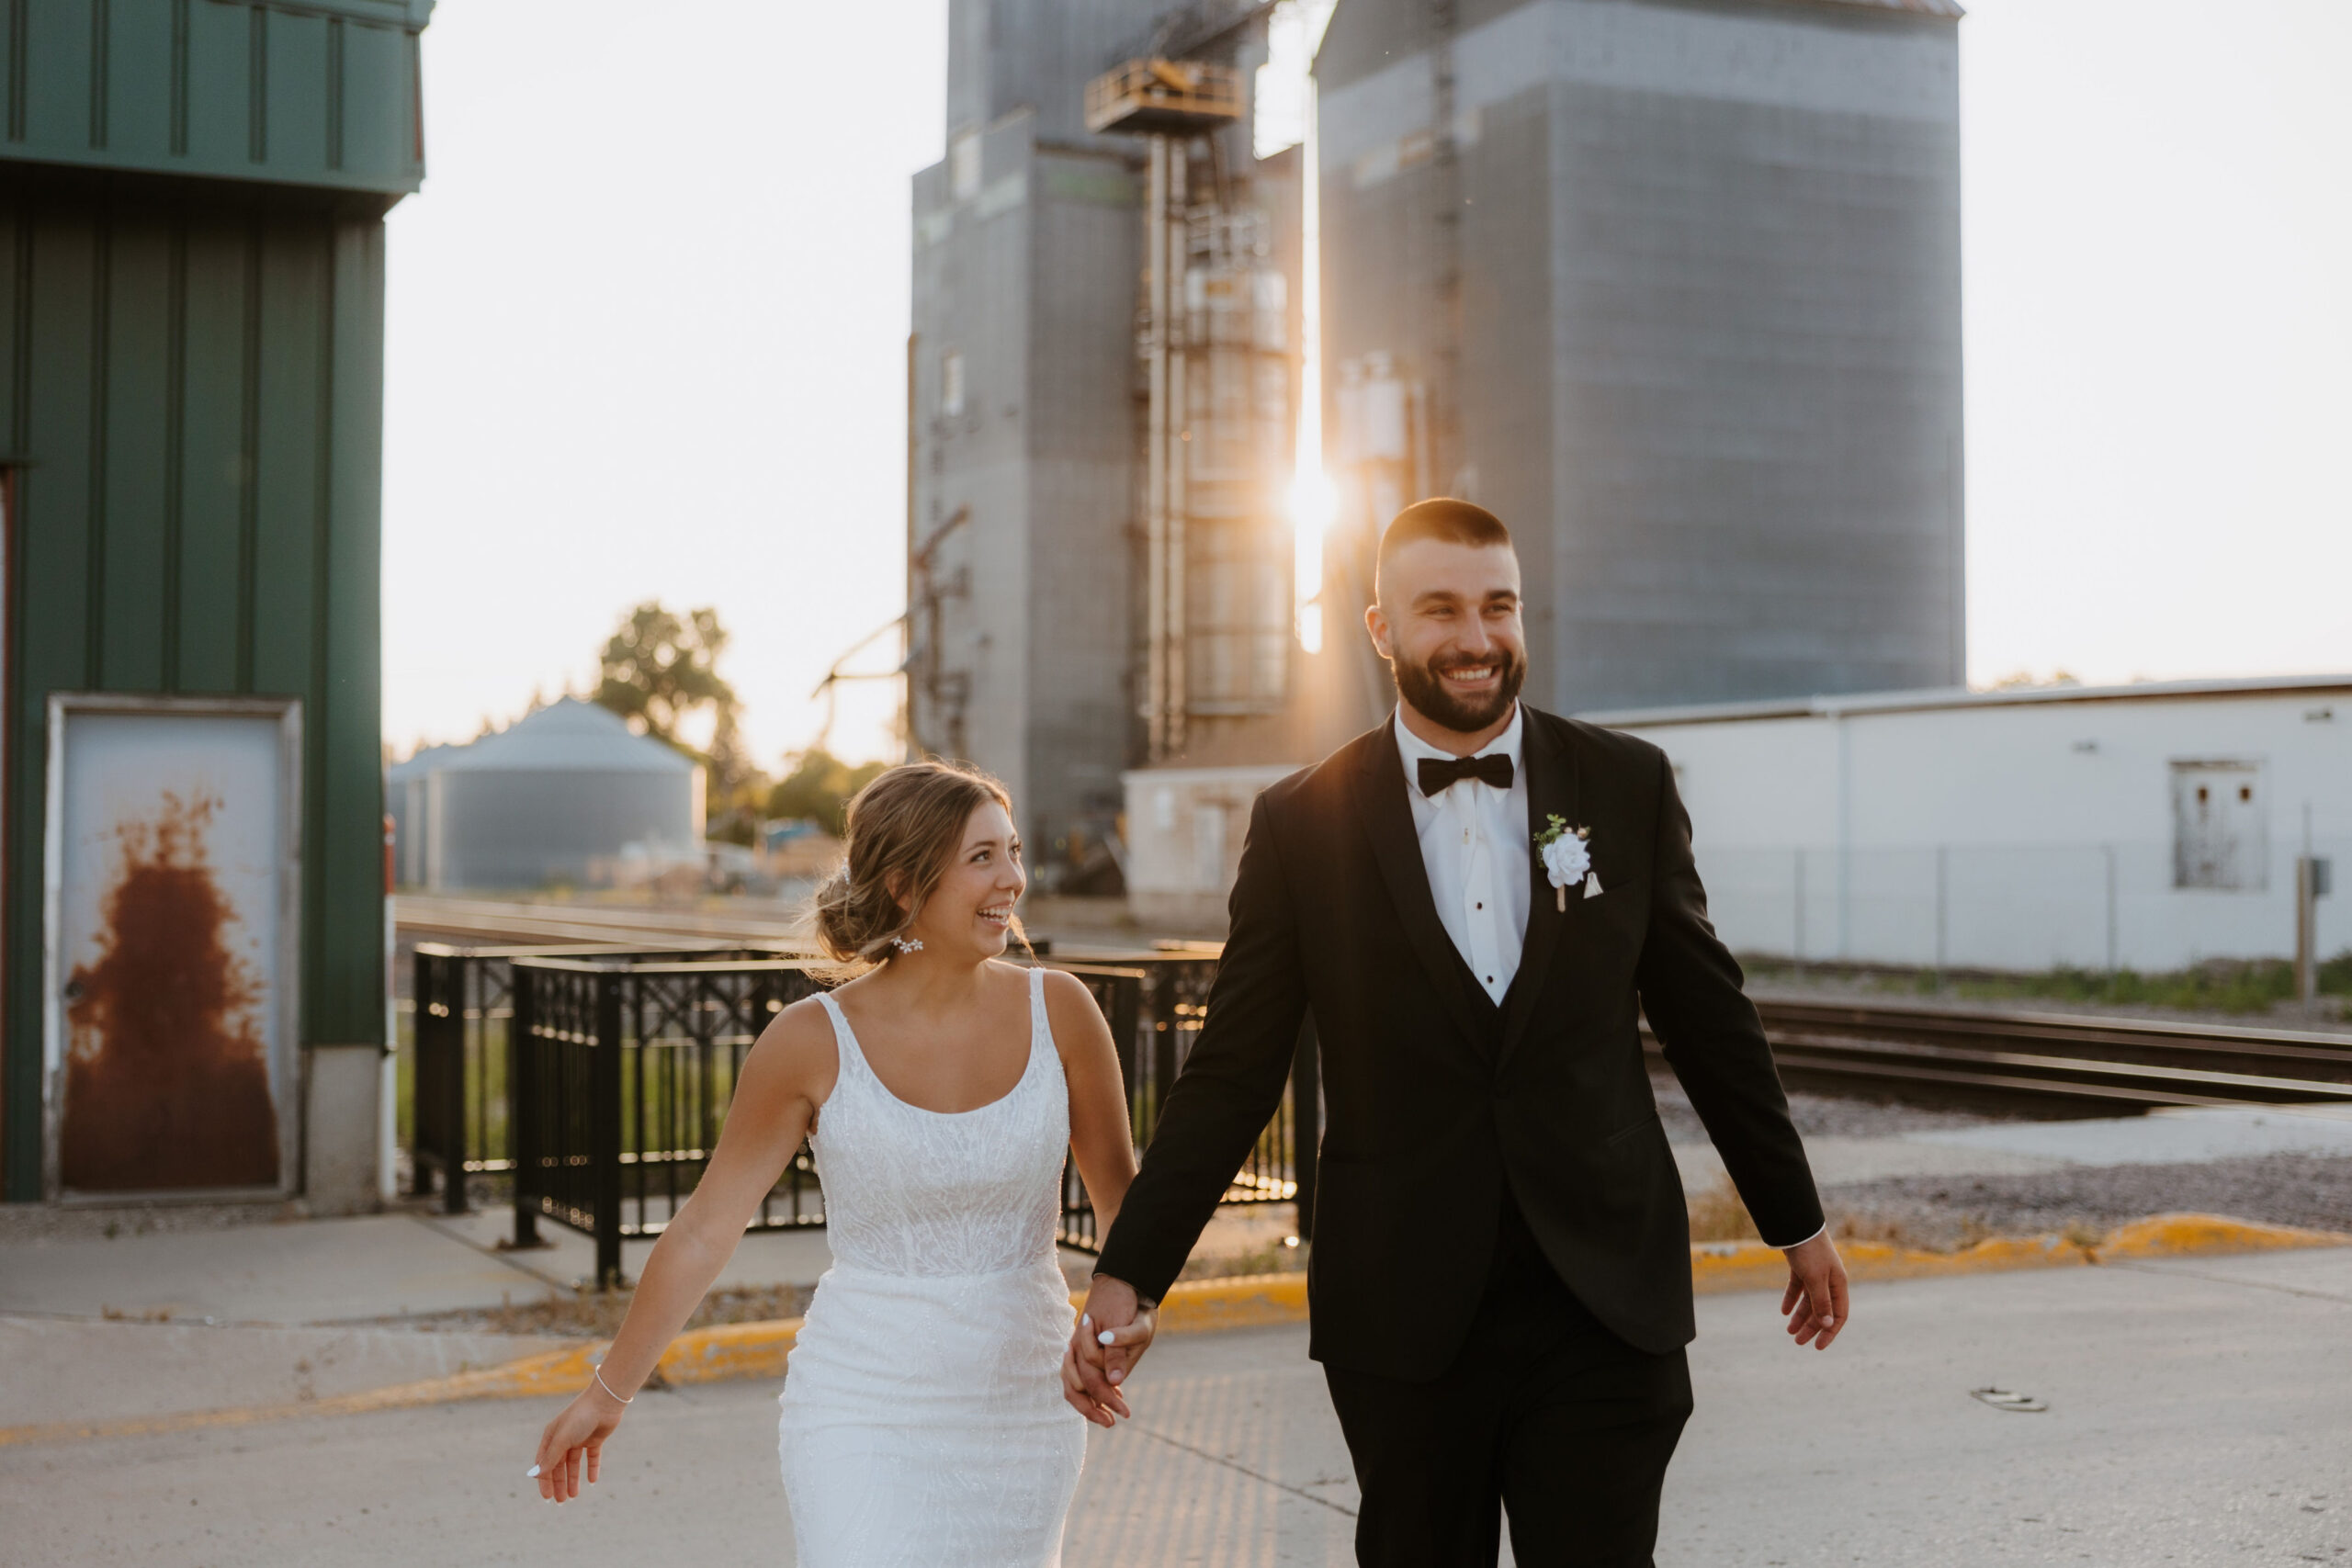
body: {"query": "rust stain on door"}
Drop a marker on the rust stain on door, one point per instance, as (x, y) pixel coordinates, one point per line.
(167, 1072)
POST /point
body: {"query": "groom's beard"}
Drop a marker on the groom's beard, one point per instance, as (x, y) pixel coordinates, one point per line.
(1419, 684)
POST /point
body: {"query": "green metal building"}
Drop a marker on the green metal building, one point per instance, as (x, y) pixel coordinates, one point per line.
(192, 195)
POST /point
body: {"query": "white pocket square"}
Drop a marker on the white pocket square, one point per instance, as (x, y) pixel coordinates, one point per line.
(1592, 884)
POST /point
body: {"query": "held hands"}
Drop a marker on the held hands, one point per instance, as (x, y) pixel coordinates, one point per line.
(1112, 1334)
(574, 1443)
(1815, 1303)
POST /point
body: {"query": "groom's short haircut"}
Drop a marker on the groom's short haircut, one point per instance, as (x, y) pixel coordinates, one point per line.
(1443, 518)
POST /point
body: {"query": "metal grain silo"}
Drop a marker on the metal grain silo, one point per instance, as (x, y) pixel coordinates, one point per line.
(1099, 435)
(1674, 287)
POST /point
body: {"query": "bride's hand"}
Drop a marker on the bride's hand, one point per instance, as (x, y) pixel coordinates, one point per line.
(574, 1441)
(1111, 1335)
(1123, 1347)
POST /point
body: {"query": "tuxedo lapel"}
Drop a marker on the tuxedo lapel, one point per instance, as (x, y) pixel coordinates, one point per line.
(1388, 820)
(1551, 791)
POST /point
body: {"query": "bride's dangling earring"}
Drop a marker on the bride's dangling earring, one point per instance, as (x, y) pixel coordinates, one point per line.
(905, 945)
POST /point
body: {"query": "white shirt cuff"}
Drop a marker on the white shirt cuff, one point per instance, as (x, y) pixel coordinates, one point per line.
(1786, 1246)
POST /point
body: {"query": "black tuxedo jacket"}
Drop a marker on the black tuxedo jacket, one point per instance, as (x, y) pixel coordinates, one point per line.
(1436, 1098)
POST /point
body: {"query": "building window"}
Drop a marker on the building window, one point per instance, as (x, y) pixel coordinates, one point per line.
(964, 166)
(2221, 825)
(951, 384)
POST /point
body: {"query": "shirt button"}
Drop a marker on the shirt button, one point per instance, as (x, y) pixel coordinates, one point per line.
(1477, 905)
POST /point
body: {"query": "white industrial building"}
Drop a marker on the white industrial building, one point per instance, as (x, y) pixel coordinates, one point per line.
(1184, 828)
(545, 800)
(2143, 827)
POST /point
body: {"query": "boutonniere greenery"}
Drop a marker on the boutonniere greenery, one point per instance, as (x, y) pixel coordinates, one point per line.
(1567, 858)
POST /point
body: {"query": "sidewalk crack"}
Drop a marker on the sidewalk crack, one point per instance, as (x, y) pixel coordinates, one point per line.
(2140, 1268)
(1235, 1464)
(429, 1222)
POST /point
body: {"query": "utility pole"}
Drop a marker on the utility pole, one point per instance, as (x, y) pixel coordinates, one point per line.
(2312, 878)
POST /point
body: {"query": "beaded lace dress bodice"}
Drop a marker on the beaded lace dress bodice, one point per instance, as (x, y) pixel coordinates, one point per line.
(922, 1416)
(916, 1191)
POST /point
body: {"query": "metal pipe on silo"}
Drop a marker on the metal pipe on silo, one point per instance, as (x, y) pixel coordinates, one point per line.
(1155, 353)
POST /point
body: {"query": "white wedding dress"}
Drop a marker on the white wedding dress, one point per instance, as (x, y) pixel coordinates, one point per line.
(924, 1420)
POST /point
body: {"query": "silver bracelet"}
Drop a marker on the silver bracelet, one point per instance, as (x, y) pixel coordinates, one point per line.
(598, 1373)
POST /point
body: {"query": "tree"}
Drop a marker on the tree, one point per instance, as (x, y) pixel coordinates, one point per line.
(819, 787)
(657, 669)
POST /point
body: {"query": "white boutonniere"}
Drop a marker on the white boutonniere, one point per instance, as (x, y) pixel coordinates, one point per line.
(1567, 858)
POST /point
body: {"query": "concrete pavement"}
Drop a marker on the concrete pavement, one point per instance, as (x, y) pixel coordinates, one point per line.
(306, 1271)
(57, 1369)
(2176, 1135)
(2195, 1414)
(407, 1264)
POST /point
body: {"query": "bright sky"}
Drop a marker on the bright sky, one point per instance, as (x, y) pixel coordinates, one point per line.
(648, 320)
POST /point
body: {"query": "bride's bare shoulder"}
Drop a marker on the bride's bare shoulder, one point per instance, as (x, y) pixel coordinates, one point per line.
(1072, 1013)
(798, 1045)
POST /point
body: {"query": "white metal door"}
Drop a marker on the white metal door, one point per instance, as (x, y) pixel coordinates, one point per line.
(174, 832)
(2221, 818)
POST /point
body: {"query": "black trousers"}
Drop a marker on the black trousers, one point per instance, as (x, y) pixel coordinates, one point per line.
(1545, 1413)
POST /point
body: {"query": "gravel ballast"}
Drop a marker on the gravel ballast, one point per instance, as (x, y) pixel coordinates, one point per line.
(1818, 1115)
(2309, 1192)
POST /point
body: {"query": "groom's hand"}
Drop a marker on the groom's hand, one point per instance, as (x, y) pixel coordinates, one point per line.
(1112, 1334)
(1815, 1303)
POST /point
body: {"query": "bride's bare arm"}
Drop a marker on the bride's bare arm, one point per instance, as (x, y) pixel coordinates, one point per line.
(787, 1074)
(1103, 1140)
(1099, 1132)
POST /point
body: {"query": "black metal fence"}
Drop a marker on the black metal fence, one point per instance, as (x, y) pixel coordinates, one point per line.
(595, 1082)
(1155, 1007)
(459, 1104)
(622, 1071)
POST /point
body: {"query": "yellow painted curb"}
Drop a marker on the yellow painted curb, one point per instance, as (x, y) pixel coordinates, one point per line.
(730, 1350)
(2173, 1235)
(1718, 1267)
(1203, 1306)
(1248, 1301)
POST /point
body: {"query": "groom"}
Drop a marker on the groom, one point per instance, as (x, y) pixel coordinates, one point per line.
(1500, 1279)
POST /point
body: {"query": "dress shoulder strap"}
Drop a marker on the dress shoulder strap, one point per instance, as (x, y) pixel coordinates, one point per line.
(1041, 1026)
(844, 1038)
(1045, 1057)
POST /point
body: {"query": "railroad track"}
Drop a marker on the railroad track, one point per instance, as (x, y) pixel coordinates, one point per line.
(2059, 1062)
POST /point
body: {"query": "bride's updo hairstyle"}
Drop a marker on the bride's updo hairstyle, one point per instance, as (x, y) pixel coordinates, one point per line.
(904, 827)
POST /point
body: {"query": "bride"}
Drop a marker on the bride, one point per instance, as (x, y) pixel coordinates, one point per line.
(923, 1419)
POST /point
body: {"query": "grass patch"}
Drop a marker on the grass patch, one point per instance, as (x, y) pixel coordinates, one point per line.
(2233, 986)
(404, 1075)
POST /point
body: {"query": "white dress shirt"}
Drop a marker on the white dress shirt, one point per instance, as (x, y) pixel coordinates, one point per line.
(1475, 848)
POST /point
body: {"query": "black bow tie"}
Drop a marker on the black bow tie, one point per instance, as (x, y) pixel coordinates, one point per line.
(1437, 772)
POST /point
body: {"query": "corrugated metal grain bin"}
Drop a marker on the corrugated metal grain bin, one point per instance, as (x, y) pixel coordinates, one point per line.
(192, 195)
(547, 799)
